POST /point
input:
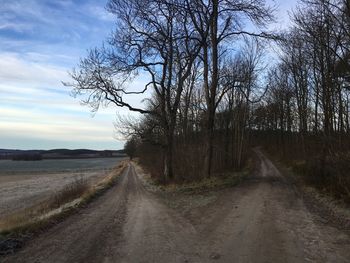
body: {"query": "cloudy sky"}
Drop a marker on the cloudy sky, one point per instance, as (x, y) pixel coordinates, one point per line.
(40, 41)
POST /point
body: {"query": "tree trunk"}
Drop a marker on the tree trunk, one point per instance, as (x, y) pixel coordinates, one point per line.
(209, 145)
(168, 160)
(211, 100)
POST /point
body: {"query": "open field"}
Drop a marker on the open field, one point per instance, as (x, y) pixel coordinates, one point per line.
(24, 184)
(55, 165)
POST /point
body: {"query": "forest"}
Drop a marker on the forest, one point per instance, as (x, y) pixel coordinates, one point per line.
(220, 83)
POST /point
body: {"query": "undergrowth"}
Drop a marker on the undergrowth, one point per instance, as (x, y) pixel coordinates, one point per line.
(216, 181)
(330, 175)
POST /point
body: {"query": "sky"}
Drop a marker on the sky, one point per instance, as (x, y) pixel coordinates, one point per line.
(40, 42)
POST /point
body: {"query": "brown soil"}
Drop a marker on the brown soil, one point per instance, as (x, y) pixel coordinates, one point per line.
(261, 220)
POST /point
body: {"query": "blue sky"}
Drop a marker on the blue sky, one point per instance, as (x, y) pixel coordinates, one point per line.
(40, 41)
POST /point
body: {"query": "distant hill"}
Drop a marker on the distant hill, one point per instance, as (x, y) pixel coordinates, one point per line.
(59, 153)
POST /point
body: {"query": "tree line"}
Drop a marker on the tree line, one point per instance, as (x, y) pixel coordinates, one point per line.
(309, 87)
(211, 92)
(305, 115)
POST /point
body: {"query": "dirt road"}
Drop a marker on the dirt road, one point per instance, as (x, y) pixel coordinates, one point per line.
(262, 220)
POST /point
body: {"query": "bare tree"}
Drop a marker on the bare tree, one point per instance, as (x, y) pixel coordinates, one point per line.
(218, 21)
(153, 38)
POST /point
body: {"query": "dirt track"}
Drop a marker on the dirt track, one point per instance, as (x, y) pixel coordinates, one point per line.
(262, 220)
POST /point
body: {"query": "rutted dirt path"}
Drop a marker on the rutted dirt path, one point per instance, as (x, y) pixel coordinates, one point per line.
(262, 220)
(153, 232)
(126, 224)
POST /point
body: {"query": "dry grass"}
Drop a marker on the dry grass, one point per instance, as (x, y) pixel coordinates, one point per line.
(32, 215)
(216, 181)
(330, 175)
(105, 183)
(72, 196)
(72, 191)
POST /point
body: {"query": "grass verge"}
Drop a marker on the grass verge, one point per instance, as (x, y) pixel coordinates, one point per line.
(217, 181)
(15, 229)
(330, 210)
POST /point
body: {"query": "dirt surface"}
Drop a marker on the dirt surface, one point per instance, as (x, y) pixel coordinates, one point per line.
(261, 220)
(264, 220)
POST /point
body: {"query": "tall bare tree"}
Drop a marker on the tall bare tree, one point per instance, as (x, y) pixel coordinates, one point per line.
(217, 22)
(153, 38)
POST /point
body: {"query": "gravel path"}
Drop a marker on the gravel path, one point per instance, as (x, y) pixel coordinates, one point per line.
(261, 220)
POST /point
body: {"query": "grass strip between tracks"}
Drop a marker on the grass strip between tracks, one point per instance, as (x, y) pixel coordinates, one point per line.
(215, 182)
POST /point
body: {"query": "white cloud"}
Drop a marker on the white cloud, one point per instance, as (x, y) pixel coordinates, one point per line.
(25, 8)
(35, 105)
(33, 101)
(52, 132)
(100, 12)
(19, 27)
(31, 123)
(13, 69)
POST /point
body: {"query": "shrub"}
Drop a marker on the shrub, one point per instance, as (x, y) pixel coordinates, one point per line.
(330, 174)
(70, 192)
